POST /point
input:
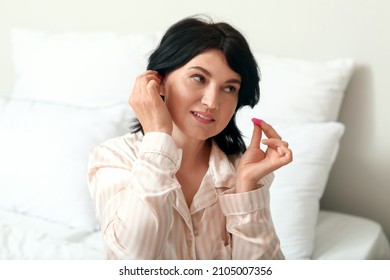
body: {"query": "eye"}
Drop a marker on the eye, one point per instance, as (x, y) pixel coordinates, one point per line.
(230, 89)
(199, 78)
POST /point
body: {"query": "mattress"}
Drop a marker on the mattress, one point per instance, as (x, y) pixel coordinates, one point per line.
(339, 236)
(346, 237)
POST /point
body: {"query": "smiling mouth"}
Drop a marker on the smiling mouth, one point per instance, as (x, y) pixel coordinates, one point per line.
(202, 117)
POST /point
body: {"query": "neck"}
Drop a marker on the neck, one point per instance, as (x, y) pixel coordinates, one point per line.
(195, 152)
(194, 163)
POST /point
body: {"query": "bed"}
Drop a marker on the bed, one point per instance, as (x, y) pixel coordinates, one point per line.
(24, 237)
(341, 236)
(70, 84)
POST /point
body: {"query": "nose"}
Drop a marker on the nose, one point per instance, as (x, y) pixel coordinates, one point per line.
(210, 98)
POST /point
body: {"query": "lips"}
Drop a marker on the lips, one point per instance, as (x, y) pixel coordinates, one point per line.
(203, 116)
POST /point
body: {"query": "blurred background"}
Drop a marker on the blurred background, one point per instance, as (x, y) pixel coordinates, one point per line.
(311, 29)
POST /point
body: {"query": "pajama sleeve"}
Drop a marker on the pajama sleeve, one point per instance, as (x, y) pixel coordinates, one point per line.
(248, 220)
(133, 192)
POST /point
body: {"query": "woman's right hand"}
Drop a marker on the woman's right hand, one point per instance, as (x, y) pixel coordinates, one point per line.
(148, 105)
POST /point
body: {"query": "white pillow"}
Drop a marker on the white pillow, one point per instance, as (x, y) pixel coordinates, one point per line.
(92, 69)
(89, 69)
(44, 152)
(298, 187)
(298, 90)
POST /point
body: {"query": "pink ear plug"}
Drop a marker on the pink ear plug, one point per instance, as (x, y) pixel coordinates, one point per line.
(257, 121)
(161, 78)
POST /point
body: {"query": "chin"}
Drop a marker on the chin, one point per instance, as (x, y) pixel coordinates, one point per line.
(198, 134)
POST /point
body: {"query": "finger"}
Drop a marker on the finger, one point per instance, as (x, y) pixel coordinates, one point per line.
(285, 153)
(150, 75)
(153, 87)
(154, 76)
(269, 131)
(274, 142)
(256, 136)
(148, 72)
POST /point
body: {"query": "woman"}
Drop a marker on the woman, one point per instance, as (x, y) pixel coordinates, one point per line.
(183, 185)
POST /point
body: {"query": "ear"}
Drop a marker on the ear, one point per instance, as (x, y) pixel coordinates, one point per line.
(162, 89)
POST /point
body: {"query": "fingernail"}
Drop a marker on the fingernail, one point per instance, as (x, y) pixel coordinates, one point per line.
(257, 121)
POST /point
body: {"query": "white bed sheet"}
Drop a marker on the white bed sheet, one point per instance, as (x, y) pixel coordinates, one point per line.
(346, 237)
(339, 236)
(27, 238)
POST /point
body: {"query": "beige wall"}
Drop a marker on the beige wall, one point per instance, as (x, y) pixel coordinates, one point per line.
(313, 29)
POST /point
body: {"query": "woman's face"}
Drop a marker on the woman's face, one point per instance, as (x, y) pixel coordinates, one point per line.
(202, 95)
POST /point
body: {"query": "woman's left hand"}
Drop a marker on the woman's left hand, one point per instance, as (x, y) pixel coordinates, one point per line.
(256, 163)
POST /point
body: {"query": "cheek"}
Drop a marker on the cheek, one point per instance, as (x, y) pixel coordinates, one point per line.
(230, 106)
(176, 98)
(226, 114)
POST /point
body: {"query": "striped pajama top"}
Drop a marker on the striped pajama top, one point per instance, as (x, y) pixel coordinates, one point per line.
(143, 213)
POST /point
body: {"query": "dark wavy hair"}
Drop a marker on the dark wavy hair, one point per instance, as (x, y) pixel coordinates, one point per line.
(191, 36)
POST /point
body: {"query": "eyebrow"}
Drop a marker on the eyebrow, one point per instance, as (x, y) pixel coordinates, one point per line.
(237, 81)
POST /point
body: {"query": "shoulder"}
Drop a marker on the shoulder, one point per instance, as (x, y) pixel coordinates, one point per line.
(120, 150)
